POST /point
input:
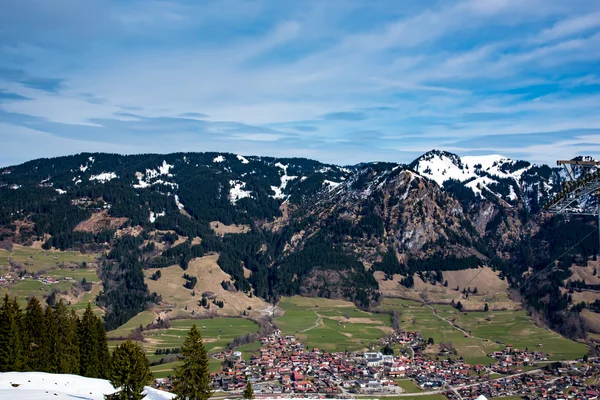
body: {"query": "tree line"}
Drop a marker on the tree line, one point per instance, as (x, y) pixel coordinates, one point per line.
(52, 340)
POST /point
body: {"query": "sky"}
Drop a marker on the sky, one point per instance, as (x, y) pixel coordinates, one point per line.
(340, 81)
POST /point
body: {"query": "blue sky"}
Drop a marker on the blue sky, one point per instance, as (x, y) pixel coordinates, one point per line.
(341, 81)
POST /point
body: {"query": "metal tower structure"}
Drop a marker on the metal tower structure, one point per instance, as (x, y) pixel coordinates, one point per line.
(577, 188)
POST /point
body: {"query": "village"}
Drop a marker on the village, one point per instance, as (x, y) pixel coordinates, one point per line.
(8, 279)
(286, 368)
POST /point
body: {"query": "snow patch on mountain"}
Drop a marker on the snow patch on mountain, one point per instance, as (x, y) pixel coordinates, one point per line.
(218, 159)
(331, 184)
(237, 192)
(179, 204)
(153, 216)
(478, 171)
(165, 168)
(60, 191)
(285, 178)
(145, 179)
(242, 159)
(41, 385)
(478, 184)
(103, 177)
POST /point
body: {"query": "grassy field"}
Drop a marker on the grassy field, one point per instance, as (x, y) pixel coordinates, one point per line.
(216, 332)
(144, 318)
(164, 370)
(331, 325)
(36, 260)
(507, 327)
(409, 386)
(56, 264)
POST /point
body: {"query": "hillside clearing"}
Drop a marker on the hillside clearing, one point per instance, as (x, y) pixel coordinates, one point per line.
(221, 229)
(177, 298)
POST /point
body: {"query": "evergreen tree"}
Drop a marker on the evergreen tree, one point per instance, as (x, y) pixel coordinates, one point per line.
(89, 361)
(65, 350)
(486, 308)
(12, 357)
(34, 327)
(130, 371)
(103, 353)
(48, 362)
(459, 306)
(192, 380)
(248, 392)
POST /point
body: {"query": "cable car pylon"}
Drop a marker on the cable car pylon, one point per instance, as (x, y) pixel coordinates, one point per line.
(576, 189)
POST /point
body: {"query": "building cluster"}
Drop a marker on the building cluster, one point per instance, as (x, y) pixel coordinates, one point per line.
(8, 279)
(509, 358)
(561, 383)
(285, 367)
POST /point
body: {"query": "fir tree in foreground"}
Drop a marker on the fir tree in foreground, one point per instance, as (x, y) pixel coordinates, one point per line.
(12, 357)
(130, 371)
(54, 341)
(192, 380)
(248, 392)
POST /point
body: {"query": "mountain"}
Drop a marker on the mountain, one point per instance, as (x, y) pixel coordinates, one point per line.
(310, 228)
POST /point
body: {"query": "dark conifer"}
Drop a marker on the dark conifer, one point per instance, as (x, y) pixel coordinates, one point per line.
(103, 353)
(192, 380)
(12, 356)
(130, 371)
(48, 358)
(34, 327)
(89, 359)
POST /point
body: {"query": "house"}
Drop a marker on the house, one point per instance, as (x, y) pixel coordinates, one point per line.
(297, 376)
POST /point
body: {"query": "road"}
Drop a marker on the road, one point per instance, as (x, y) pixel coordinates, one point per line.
(316, 325)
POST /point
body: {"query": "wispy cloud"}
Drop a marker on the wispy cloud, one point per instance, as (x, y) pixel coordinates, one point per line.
(340, 81)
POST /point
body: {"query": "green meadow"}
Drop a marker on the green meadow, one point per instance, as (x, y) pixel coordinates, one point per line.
(487, 331)
(331, 325)
(37, 260)
(217, 333)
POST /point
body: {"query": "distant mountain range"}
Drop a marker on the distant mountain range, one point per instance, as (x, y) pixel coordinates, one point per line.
(316, 229)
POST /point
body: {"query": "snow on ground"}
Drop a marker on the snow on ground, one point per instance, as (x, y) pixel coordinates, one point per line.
(14, 186)
(103, 177)
(242, 159)
(41, 385)
(237, 191)
(284, 181)
(179, 204)
(141, 183)
(144, 179)
(481, 182)
(165, 168)
(60, 191)
(219, 159)
(332, 185)
(442, 168)
(153, 216)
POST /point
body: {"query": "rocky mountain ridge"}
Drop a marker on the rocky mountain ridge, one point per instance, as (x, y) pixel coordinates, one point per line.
(316, 229)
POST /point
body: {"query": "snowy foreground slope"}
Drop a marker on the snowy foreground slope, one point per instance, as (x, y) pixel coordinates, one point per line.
(40, 385)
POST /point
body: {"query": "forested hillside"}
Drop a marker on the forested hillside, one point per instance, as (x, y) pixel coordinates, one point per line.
(308, 228)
